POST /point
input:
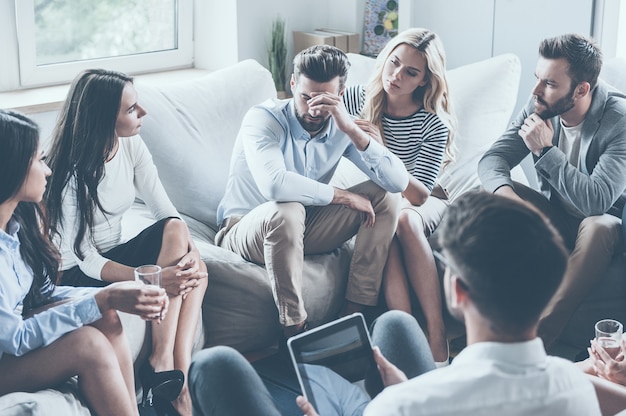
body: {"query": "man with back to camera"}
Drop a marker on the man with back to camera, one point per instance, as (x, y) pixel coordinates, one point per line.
(575, 127)
(498, 289)
(278, 205)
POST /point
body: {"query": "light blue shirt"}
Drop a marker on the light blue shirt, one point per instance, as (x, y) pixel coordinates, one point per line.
(275, 159)
(19, 336)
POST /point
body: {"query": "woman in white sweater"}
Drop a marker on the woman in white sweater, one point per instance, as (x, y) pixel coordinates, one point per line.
(52, 333)
(99, 165)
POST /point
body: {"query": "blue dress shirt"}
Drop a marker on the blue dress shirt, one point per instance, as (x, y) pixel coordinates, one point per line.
(18, 335)
(275, 159)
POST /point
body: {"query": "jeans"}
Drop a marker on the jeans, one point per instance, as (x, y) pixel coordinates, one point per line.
(222, 382)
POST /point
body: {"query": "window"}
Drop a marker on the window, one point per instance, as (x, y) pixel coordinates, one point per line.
(620, 47)
(59, 38)
(610, 27)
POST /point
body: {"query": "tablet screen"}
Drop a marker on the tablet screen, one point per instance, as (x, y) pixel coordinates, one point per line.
(341, 348)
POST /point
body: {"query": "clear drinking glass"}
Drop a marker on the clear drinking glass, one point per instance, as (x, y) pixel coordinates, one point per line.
(609, 335)
(149, 274)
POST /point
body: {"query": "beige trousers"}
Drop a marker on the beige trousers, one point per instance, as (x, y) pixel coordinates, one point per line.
(279, 235)
(596, 240)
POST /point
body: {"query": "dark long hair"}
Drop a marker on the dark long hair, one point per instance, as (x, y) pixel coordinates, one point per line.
(19, 142)
(82, 140)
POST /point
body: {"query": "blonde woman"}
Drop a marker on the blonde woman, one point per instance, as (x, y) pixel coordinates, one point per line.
(407, 107)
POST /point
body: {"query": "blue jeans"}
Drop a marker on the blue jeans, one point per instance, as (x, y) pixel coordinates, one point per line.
(222, 382)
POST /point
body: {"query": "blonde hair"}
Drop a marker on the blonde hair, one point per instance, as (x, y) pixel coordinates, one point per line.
(434, 94)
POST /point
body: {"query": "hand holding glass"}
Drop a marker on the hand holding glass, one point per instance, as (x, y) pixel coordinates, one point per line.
(149, 274)
(609, 336)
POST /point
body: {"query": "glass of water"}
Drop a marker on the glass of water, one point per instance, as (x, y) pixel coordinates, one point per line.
(149, 274)
(609, 335)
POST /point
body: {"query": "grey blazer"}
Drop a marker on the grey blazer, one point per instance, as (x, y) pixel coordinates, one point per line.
(599, 186)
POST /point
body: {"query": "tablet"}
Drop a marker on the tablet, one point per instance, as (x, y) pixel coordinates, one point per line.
(339, 348)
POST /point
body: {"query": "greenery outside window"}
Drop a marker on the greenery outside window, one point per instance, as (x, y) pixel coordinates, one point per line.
(59, 38)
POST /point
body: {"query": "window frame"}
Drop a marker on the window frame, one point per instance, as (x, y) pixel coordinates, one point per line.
(33, 75)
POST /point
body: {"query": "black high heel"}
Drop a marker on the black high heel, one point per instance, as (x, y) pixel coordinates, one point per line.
(165, 385)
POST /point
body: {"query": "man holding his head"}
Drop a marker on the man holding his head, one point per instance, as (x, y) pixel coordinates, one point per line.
(278, 205)
(575, 127)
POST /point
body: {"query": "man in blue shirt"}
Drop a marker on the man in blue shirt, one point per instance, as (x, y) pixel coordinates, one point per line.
(278, 205)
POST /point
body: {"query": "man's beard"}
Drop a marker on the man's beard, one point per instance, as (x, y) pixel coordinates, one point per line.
(561, 106)
(312, 127)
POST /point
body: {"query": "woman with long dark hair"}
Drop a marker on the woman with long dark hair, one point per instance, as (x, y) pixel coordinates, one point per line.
(50, 333)
(100, 164)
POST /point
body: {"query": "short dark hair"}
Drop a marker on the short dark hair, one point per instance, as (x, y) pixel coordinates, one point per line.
(582, 54)
(510, 257)
(322, 63)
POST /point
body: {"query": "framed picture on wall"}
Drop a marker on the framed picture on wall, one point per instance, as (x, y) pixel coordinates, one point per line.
(380, 25)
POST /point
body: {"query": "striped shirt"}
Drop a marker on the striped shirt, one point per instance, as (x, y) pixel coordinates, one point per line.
(419, 140)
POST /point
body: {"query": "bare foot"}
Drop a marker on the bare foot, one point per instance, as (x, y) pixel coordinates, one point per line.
(182, 404)
(439, 345)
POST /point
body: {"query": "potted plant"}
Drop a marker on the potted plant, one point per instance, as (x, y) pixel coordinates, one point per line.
(277, 54)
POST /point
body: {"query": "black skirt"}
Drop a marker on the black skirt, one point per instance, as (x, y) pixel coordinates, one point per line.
(142, 249)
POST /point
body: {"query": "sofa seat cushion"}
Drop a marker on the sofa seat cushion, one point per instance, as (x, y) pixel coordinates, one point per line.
(49, 402)
(239, 309)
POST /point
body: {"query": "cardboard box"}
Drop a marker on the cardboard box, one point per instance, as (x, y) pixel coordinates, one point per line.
(302, 40)
(346, 41)
(341, 41)
(353, 39)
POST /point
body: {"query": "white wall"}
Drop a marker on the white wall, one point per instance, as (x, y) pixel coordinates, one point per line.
(9, 71)
(229, 31)
(465, 27)
(477, 29)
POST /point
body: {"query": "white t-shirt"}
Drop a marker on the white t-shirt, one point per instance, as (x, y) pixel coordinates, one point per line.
(569, 142)
(490, 378)
(129, 173)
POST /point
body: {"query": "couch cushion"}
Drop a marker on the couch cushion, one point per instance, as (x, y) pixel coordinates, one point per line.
(191, 128)
(484, 96)
(614, 72)
(239, 309)
(49, 402)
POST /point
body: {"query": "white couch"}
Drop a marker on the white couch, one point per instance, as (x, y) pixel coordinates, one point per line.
(191, 129)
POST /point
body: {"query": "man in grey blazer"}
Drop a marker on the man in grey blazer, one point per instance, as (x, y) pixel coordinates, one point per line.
(575, 127)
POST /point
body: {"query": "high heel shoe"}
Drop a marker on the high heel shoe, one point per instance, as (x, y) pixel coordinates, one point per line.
(166, 385)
